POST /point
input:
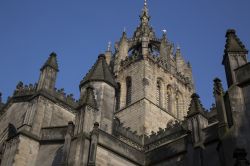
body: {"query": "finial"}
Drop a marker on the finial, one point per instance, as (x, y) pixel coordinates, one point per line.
(178, 47)
(164, 35)
(218, 88)
(109, 46)
(144, 15)
(164, 31)
(124, 29)
(0, 97)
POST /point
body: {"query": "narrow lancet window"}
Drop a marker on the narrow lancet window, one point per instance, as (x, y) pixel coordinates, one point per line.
(118, 96)
(170, 99)
(159, 94)
(129, 90)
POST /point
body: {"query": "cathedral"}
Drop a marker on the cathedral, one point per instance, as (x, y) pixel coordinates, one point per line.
(137, 107)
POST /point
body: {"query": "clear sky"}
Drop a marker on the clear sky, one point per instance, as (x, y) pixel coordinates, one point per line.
(79, 30)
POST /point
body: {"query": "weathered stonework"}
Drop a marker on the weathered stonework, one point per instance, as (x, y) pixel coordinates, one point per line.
(137, 106)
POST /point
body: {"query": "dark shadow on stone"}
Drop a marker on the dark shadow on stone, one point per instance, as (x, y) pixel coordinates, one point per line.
(11, 131)
(58, 157)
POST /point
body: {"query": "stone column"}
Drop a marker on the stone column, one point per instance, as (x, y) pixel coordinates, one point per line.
(93, 145)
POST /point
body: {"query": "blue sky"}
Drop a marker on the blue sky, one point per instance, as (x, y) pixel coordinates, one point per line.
(79, 30)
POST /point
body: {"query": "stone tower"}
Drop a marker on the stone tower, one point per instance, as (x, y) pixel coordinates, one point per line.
(154, 83)
(48, 74)
(101, 80)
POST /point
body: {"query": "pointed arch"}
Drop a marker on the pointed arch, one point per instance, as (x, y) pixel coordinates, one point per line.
(179, 105)
(159, 92)
(118, 96)
(170, 99)
(128, 90)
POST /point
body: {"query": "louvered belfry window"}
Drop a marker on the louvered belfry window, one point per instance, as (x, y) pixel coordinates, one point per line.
(129, 90)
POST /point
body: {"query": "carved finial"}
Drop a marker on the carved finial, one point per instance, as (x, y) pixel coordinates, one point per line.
(109, 46)
(178, 47)
(218, 88)
(195, 105)
(164, 31)
(145, 16)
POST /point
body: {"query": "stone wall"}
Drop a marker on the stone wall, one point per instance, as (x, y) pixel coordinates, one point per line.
(133, 116)
(105, 157)
(27, 152)
(49, 154)
(170, 84)
(47, 113)
(14, 114)
(149, 116)
(155, 118)
(136, 72)
(105, 97)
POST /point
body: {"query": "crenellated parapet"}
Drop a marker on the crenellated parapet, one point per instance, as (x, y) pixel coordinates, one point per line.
(26, 92)
(126, 135)
(174, 130)
(68, 98)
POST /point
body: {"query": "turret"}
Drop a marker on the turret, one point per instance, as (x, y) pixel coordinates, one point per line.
(103, 84)
(220, 105)
(108, 54)
(235, 55)
(196, 119)
(145, 35)
(122, 52)
(188, 72)
(163, 47)
(48, 74)
(86, 117)
(180, 63)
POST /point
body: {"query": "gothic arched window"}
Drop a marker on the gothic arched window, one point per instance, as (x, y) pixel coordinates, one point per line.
(159, 93)
(179, 106)
(129, 90)
(178, 114)
(118, 96)
(170, 99)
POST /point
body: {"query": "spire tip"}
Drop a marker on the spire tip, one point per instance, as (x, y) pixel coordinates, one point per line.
(109, 46)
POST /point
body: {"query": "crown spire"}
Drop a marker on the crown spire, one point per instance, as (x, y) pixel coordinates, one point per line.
(109, 46)
(144, 15)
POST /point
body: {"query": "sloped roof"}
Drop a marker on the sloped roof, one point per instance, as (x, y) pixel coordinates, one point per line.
(195, 106)
(51, 62)
(233, 43)
(100, 72)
